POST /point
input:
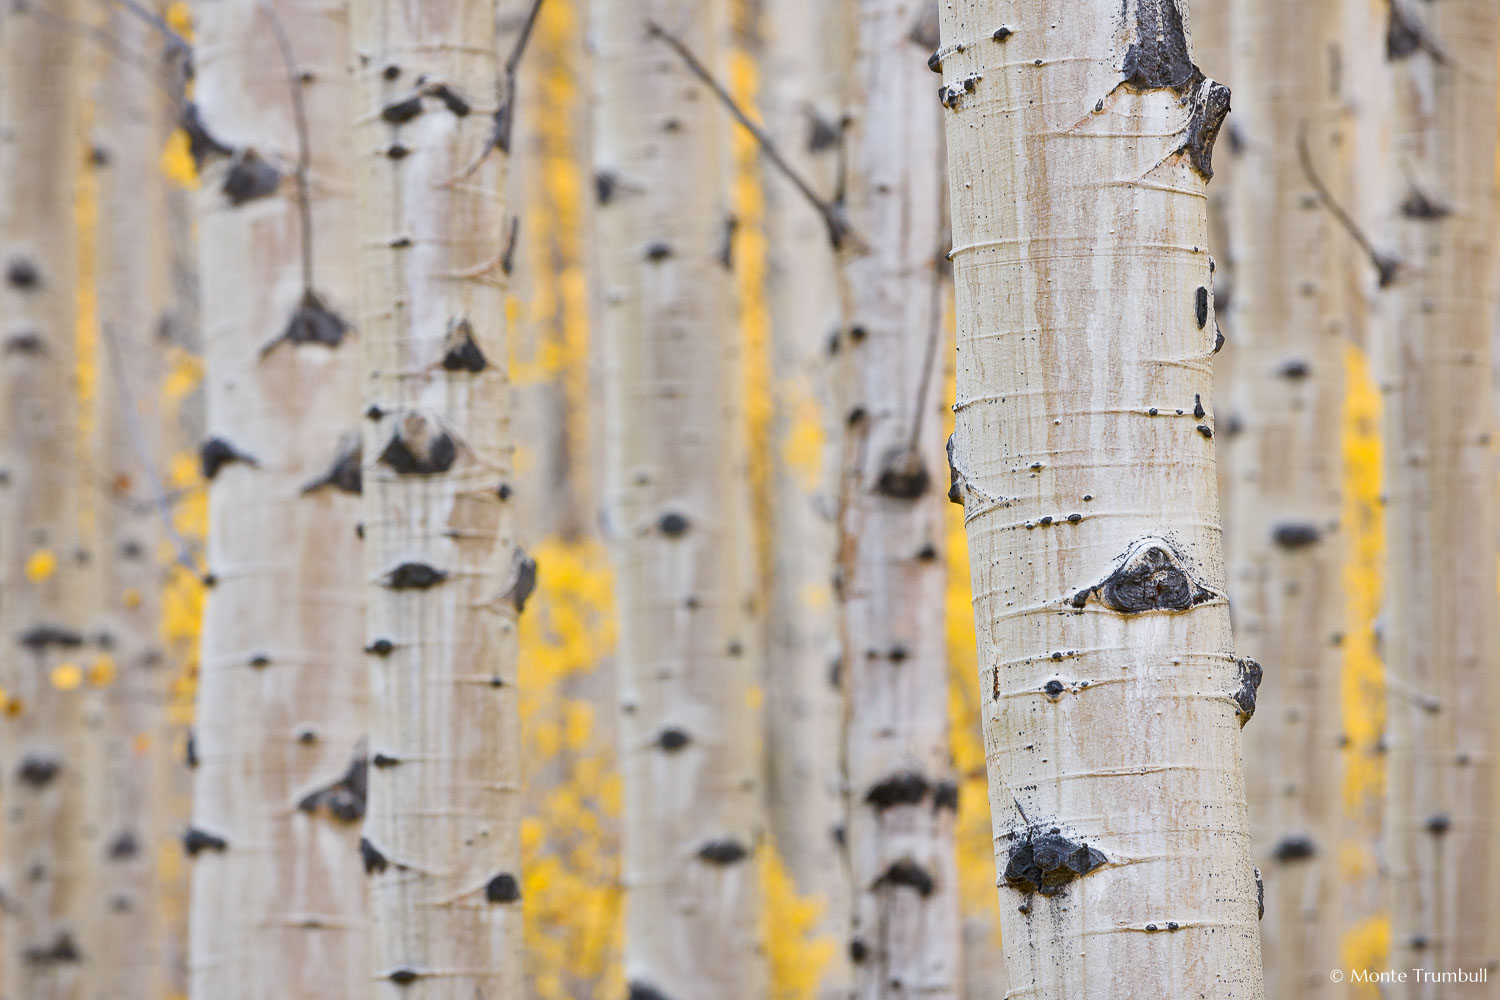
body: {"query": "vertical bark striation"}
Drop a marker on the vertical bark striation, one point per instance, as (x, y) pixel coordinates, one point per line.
(1443, 663)
(1079, 140)
(41, 617)
(902, 798)
(446, 581)
(278, 897)
(805, 675)
(676, 507)
(131, 809)
(1285, 551)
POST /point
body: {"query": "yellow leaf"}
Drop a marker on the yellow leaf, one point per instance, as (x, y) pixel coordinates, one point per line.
(41, 565)
(102, 671)
(131, 597)
(177, 162)
(66, 676)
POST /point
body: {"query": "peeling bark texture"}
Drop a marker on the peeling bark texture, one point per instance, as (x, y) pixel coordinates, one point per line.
(133, 805)
(440, 550)
(278, 894)
(1442, 658)
(901, 859)
(805, 678)
(1285, 554)
(675, 426)
(44, 884)
(1079, 217)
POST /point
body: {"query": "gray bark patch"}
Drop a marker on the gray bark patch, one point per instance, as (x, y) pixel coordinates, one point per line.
(1295, 535)
(38, 770)
(503, 888)
(1244, 698)
(1158, 59)
(344, 474)
(124, 846)
(217, 453)
(1294, 847)
(908, 874)
(523, 580)
(460, 352)
(39, 638)
(1048, 862)
(419, 447)
(1151, 576)
(250, 177)
(906, 788)
(413, 576)
(61, 950)
(371, 856)
(312, 323)
(401, 112)
(723, 852)
(645, 991)
(903, 476)
(22, 273)
(196, 841)
(202, 146)
(344, 798)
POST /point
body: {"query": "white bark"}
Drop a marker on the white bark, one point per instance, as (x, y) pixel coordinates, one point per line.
(902, 797)
(278, 897)
(1285, 552)
(445, 579)
(131, 749)
(1443, 662)
(41, 617)
(805, 700)
(1079, 139)
(676, 503)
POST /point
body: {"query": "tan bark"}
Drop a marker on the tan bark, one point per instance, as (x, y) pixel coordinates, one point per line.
(902, 796)
(1285, 553)
(676, 510)
(1079, 141)
(1443, 662)
(805, 699)
(42, 615)
(278, 897)
(446, 581)
(131, 749)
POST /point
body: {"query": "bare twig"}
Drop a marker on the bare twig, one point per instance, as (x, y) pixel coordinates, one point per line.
(935, 318)
(833, 219)
(160, 498)
(175, 40)
(1386, 266)
(304, 141)
(505, 114)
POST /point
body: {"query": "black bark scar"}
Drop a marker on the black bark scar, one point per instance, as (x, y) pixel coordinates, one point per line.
(1151, 576)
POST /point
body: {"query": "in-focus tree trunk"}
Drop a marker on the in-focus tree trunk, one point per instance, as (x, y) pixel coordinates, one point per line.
(446, 581)
(278, 896)
(1285, 552)
(804, 681)
(1079, 141)
(130, 807)
(901, 793)
(1443, 662)
(42, 615)
(676, 509)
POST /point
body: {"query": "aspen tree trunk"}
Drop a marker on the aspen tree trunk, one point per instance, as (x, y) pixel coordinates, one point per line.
(445, 579)
(41, 618)
(1285, 553)
(131, 809)
(1443, 662)
(278, 897)
(676, 508)
(902, 797)
(1079, 141)
(805, 677)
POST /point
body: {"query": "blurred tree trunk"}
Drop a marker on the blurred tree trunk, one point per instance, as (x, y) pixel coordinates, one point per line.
(890, 580)
(1083, 455)
(43, 563)
(446, 579)
(1285, 554)
(278, 897)
(1444, 665)
(130, 805)
(677, 509)
(805, 701)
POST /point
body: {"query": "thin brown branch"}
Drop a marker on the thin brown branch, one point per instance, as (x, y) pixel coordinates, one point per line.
(833, 219)
(505, 114)
(160, 498)
(304, 141)
(1386, 266)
